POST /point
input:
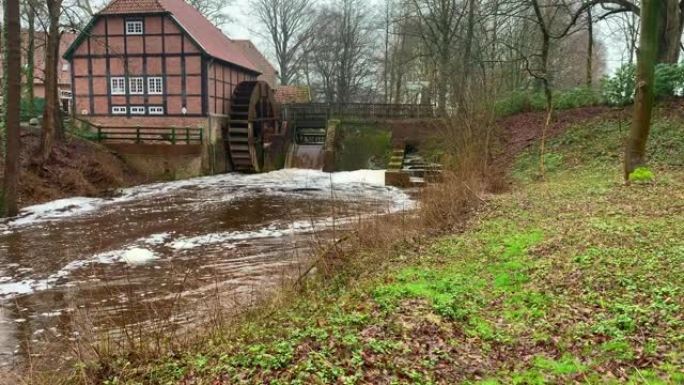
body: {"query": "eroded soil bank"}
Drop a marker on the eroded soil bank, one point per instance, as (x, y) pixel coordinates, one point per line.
(77, 167)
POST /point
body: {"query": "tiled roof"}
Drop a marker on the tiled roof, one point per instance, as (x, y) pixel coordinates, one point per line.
(211, 39)
(264, 66)
(132, 6)
(292, 95)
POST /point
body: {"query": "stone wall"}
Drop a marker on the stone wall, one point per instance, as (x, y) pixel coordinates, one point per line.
(162, 161)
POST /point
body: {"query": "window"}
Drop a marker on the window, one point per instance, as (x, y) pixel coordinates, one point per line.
(118, 86)
(137, 110)
(137, 86)
(134, 27)
(156, 110)
(65, 67)
(118, 110)
(155, 86)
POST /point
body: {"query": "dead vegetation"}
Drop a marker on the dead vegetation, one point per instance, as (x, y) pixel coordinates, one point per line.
(77, 167)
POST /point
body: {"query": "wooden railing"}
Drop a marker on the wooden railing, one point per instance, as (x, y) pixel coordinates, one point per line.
(171, 135)
(370, 111)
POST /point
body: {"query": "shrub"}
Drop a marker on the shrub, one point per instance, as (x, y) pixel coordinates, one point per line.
(576, 97)
(619, 90)
(513, 104)
(641, 175)
(38, 108)
(522, 101)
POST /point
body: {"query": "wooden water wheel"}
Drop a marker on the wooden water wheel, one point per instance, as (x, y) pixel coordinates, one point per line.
(253, 120)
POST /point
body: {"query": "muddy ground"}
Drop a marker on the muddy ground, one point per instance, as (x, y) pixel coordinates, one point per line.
(77, 167)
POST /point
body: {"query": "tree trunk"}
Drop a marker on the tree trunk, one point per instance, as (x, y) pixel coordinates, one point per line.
(442, 83)
(635, 153)
(386, 65)
(30, 61)
(52, 130)
(467, 54)
(12, 107)
(590, 49)
(669, 32)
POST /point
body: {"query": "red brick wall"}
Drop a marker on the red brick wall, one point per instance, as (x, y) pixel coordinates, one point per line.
(223, 79)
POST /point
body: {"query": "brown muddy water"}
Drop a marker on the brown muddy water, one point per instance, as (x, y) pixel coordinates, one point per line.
(165, 256)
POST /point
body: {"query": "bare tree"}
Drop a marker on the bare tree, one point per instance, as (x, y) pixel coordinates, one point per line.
(671, 13)
(342, 52)
(30, 12)
(440, 22)
(287, 24)
(354, 48)
(214, 10)
(635, 152)
(52, 122)
(12, 106)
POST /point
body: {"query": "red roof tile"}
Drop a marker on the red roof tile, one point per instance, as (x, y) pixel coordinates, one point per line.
(132, 6)
(268, 72)
(214, 42)
(293, 95)
(211, 39)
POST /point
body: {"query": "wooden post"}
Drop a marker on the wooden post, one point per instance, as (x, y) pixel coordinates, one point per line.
(187, 135)
(173, 135)
(137, 134)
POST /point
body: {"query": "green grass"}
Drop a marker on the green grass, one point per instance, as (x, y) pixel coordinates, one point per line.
(576, 279)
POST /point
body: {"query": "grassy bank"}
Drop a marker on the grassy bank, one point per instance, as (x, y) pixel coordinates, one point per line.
(575, 279)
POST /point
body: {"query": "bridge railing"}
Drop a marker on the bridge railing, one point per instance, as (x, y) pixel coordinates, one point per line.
(371, 111)
(141, 134)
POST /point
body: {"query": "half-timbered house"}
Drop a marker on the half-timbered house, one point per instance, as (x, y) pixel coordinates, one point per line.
(154, 58)
(155, 65)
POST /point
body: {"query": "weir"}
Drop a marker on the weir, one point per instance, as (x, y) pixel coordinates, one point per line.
(311, 138)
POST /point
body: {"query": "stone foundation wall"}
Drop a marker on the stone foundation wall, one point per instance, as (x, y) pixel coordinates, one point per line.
(162, 161)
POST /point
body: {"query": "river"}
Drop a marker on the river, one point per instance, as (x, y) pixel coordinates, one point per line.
(164, 256)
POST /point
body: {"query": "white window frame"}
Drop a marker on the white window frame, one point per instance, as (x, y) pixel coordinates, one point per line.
(118, 86)
(133, 87)
(119, 110)
(134, 27)
(137, 110)
(155, 110)
(155, 85)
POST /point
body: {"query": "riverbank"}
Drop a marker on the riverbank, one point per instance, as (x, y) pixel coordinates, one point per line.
(78, 167)
(575, 278)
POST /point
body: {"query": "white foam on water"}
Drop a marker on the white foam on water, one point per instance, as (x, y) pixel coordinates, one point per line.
(188, 243)
(63, 208)
(351, 185)
(130, 255)
(138, 256)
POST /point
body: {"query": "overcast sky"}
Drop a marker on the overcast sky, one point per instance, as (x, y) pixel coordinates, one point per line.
(243, 27)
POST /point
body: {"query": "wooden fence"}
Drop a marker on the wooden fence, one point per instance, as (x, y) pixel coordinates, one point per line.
(171, 135)
(370, 111)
